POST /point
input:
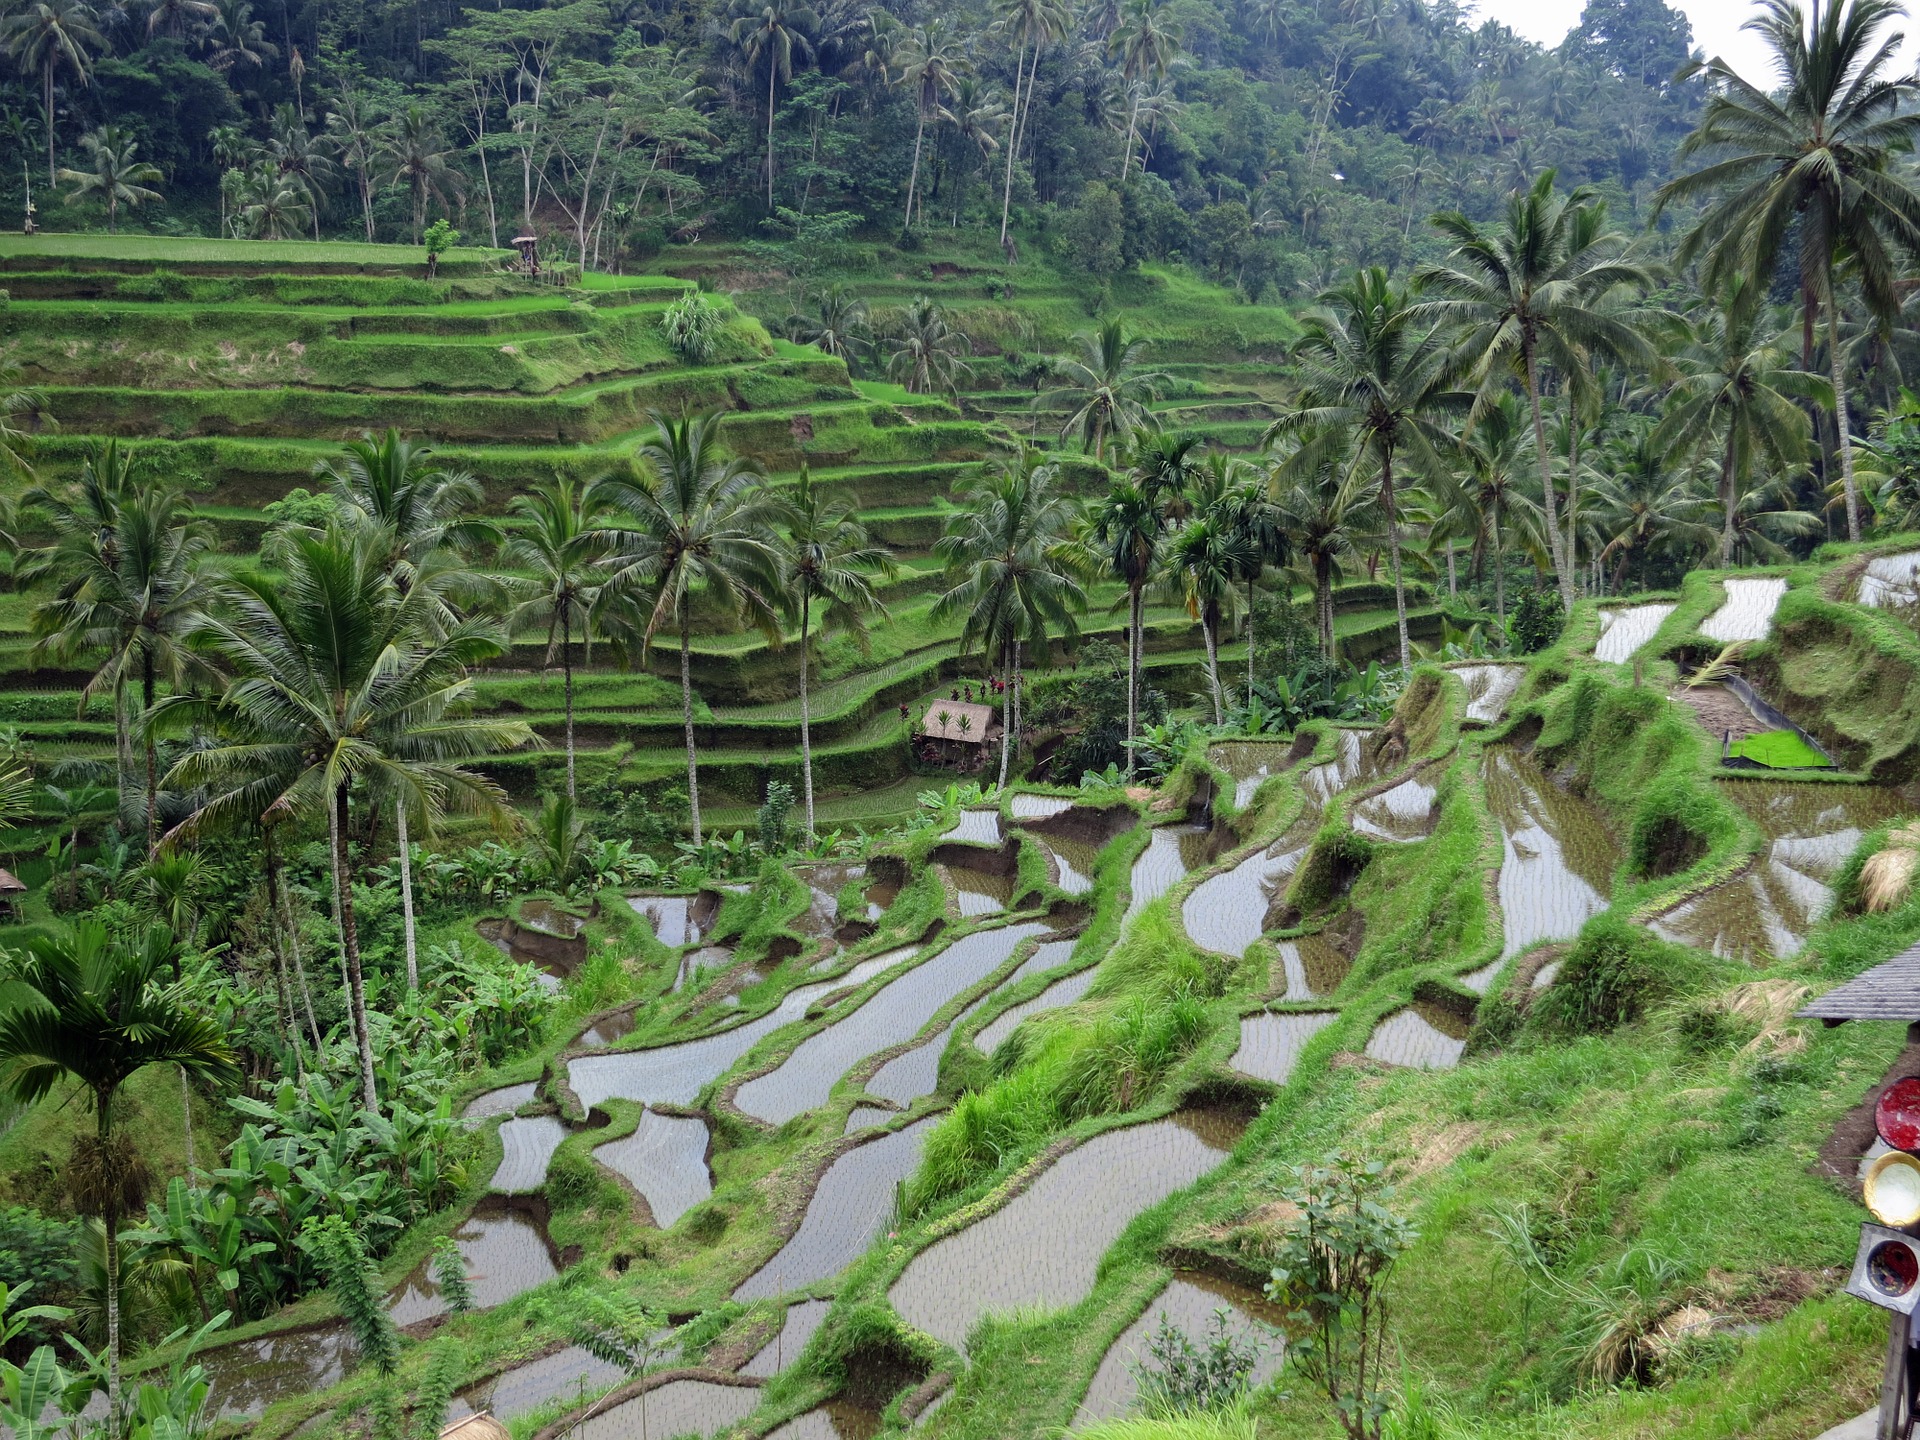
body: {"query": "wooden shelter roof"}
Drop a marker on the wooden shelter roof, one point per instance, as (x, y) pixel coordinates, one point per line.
(980, 719)
(10, 884)
(1889, 991)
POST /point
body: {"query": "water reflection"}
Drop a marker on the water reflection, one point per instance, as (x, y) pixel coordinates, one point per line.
(1748, 611)
(1189, 1304)
(1625, 628)
(665, 1159)
(1270, 1045)
(1559, 857)
(1421, 1037)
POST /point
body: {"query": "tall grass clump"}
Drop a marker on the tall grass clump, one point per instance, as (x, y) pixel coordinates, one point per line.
(1615, 974)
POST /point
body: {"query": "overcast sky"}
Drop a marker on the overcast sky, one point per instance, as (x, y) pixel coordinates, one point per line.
(1716, 28)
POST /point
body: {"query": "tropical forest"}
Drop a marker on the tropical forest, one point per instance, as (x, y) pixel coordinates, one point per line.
(828, 719)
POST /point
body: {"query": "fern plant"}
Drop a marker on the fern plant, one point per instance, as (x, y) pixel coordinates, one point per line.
(355, 1282)
(450, 1274)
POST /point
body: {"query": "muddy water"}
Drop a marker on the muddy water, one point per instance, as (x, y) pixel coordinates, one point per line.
(824, 884)
(503, 1101)
(1490, 689)
(495, 933)
(976, 827)
(675, 1074)
(1249, 762)
(1403, 813)
(1039, 807)
(1189, 1304)
(550, 919)
(1073, 862)
(1172, 850)
(795, 1331)
(1061, 992)
(606, 1030)
(1228, 912)
(1270, 1045)
(506, 1252)
(1311, 967)
(1748, 611)
(1559, 856)
(680, 1407)
(1767, 909)
(1421, 1037)
(248, 1377)
(670, 916)
(1043, 1247)
(665, 1159)
(1891, 581)
(852, 1204)
(526, 1148)
(978, 893)
(1625, 629)
(863, 1117)
(567, 1374)
(895, 1013)
(835, 1420)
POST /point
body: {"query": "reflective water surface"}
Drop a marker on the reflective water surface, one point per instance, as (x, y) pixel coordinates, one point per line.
(1188, 1303)
(1625, 628)
(665, 1159)
(1270, 1045)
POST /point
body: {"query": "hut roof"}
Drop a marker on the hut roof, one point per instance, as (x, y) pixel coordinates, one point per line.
(9, 885)
(1889, 991)
(475, 1427)
(980, 718)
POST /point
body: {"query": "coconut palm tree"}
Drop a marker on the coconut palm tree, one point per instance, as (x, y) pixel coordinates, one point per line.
(1323, 512)
(1736, 392)
(236, 40)
(269, 206)
(301, 160)
(554, 536)
(838, 324)
(1369, 373)
(1126, 526)
(127, 590)
(1646, 504)
(930, 66)
(50, 36)
(773, 34)
(830, 564)
(118, 175)
(1495, 456)
(928, 355)
(1013, 570)
(1813, 163)
(1204, 559)
(415, 155)
(1244, 507)
(1107, 389)
(84, 1008)
(1147, 43)
(1537, 290)
(698, 519)
(358, 141)
(1034, 24)
(335, 675)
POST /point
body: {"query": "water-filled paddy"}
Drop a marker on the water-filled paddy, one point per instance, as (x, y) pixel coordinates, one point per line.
(671, 917)
(977, 892)
(1061, 992)
(896, 1012)
(835, 1420)
(665, 1159)
(503, 1101)
(1189, 1304)
(1748, 611)
(1420, 1037)
(526, 1148)
(850, 1205)
(976, 827)
(1490, 689)
(1403, 813)
(506, 1251)
(1270, 1045)
(568, 1373)
(1172, 851)
(1228, 912)
(247, 1377)
(863, 1117)
(1073, 862)
(1891, 581)
(1311, 966)
(1039, 807)
(1559, 857)
(802, 1319)
(679, 1407)
(1043, 1247)
(1249, 762)
(1625, 628)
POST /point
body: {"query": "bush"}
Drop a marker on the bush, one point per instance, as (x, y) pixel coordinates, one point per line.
(1615, 973)
(1536, 621)
(692, 325)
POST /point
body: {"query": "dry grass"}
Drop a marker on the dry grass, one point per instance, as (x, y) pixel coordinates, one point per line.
(1886, 879)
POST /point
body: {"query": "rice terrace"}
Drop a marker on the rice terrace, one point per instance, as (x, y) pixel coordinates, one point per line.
(1165, 720)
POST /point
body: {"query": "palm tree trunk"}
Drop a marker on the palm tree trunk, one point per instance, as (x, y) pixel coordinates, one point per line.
(772, 71)
(686, 716)
(283, 912)
(406, 895)
(110, 1222)
(1250, 640)
(47, 75)
(1573, 483)
(913, 179)
(153, 767)
(1499, 572)
(1453, 584)
(1013, 143)
(1323, 604)
(285, 986)
(1841, 426)
(1393, 557)
(350, 946)
(1006, 716)
(1726, 503)
(122, 736)
(566, 673)
(186, 1120)
(1209, 625)
(1133, 672)
(806, 728)
(1555, 541)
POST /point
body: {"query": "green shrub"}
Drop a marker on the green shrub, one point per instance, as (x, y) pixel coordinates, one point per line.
(1614, 974)
(692, 325)
(1536, 621)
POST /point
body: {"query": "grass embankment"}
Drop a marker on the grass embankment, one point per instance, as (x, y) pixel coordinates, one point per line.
(81, 250)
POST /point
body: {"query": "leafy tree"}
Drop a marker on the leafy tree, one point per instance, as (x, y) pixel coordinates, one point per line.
(1106, 387)
(118, 176)
(1812, 163)
(699, 518)
(1537, 622)
(84, 1008)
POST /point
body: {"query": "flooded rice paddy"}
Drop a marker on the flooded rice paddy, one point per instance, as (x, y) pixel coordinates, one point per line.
(1043, 1247)
(1748, 611)
(1353, 762)
(1040, 807)
(1311, 967)
(675, 1074)
(1047, 955)
(1061, 992)
(571, 1373)
(1766, 910)
(976, 827)
(1073, 862)
(835, 1420)
(1270, 1045)
(863, 1117)
(1172, 851)
(849, 1208)
(802, 1319)
(977, 892)
(1189, 1303)
(505, 1250)
(608, 1029)
(1250, 762)
(1625, 628)
(1228, 912)
(910, 1074)
(503, 1101)
(1490, 689)
(1559, 857)
(1403, 813)
(895, 1013)
(679, 1407)
(526, 1149)
(246, 1378)
(671, 917)
(1891, 581)
(1421, 1037)
(665, 1159)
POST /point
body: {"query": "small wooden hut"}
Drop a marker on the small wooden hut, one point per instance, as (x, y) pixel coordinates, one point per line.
(475, 1427)
(10, 891)
(959, 731)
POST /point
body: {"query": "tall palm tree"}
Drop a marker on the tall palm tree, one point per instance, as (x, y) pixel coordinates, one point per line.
(1323, 511)
(1013, 572)
(698, 519)
(1647, 504)
(1034, 24)
(555, 536)
(84, 1008)
(336, 675)
(125, 594)
(424, 512)
(236, 40)
(1535, 291)
(1736, 391)
(930, 66)
(1204, 559)
(269, 206)
(1249, 515)
(50, 36)
(302, 160)
(1495, 455)
(416, 156)
(928, 354)
(1147, 43)
(830, 562)
(1109, 390)
(773, 34)
(1815, 161)
(838, 324)
(358, 141)
(1126, 525)
(119, 176)
(1369, 371)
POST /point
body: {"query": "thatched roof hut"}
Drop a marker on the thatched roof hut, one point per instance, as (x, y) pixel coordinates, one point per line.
(475, 1427)
(943, 718)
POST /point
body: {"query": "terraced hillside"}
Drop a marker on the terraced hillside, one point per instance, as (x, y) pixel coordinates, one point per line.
(236, 369)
